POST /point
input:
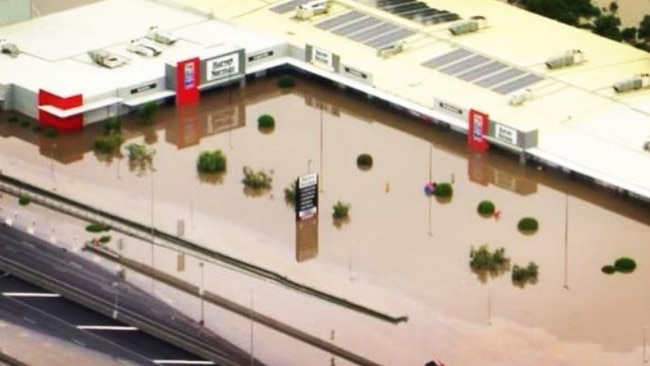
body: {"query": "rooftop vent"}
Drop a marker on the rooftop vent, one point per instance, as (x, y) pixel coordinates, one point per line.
(520, 97)
(156, 34)
(9, 48)
(570, 57)
(468, 26)
(635, 83)
(144, 48)
(311, 8)
(106, 59)
(391, 49)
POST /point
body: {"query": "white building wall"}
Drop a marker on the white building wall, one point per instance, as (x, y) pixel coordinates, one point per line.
(25, 101)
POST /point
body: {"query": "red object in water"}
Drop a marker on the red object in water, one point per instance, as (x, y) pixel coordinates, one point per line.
(497, 215)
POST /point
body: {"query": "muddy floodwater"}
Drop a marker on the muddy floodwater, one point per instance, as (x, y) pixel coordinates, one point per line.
(397, 238)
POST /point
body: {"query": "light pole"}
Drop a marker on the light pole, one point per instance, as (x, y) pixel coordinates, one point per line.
(429, 182)
(52, 152)
(116, 288)
(201, 292)
(645, 355)
(252, 331)
(321, 180)
(566, 242)
(152, 217)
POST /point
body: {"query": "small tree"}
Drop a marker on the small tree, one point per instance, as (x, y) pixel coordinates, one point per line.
(523, 275)
(24, 200)
(265, 121)
(290, 194)
(528, 225)
(112, 125)
(485, 208)
(211, 162)
(341, 210)
(443, 190)
(364, 161)
(257, 179)
(625, 265)
(286, 81)
(147, 112)
(108, 144)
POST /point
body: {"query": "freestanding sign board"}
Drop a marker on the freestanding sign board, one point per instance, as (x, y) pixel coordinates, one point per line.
(306, 196)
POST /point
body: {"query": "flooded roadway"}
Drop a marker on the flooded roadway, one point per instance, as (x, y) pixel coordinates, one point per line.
(398, 241)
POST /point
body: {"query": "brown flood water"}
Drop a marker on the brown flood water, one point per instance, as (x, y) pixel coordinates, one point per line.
(397, 238)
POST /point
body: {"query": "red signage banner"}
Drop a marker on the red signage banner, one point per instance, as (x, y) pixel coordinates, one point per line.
(478, 129)
(187, 81)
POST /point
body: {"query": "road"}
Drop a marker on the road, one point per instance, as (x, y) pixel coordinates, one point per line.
(67, 271)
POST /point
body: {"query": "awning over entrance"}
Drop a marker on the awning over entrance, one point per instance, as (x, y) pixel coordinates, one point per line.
(151, 97)
(65, 113)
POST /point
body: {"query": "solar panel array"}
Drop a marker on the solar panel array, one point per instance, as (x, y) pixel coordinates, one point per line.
(288, 6)
(482, 71)
(417, 11)
(365, 29)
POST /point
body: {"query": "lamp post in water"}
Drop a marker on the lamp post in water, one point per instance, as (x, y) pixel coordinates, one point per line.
(201, 293)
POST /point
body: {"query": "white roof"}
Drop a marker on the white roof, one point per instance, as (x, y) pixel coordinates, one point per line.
(54, 48)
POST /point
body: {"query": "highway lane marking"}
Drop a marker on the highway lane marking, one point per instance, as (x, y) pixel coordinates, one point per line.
(75, 264)
(29, 320)
(27, 244)
(30, 294)
(106, 327)
(182, 362)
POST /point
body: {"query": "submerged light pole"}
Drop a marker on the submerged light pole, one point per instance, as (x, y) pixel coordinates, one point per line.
(566, 242)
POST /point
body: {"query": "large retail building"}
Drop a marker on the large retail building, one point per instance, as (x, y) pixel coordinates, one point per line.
(547, 91)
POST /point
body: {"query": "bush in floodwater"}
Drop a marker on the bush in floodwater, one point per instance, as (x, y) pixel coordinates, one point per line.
(97, 227)
(24, 200)
(625, 265)
(528, 224)
(485, 208)
(286, 81)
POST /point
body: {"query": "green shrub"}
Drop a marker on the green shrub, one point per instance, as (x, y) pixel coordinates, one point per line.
(341, 210)
(257, 179)
(108, 144)
(290, 194)
(482, 259)
(286, 81)
(364, 161)
(25, 123)
(51, 132)
(625, 265)
(105, 239)
(112, 125)
(147, 112)
(485, 208)
(24, 200)
(265, 121)
(608, 269)
(97, 227)
(211, 162)
(12, 119)
(443, 190)
(37, 128)
(528, 224)
(523, 275)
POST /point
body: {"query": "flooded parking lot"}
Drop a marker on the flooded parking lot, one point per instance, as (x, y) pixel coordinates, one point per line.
(398, 241)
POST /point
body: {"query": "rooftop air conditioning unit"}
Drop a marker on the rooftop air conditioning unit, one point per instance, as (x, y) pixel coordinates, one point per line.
(156, 34)
(468, 26)
(106, 59)
(519, 98)
(311, 8)
(391, 49)
(143, 48)
(634, 83)
(569, 58)
(9, 48)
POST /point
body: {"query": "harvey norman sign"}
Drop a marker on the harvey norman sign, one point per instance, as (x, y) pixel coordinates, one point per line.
(323, 57)
(222, 67)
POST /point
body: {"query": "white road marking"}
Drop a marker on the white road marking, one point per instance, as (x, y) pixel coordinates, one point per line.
(106, 327)
(30, 294)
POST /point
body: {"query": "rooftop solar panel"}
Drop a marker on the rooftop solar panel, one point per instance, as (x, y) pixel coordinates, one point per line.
(518, 83)
(374, 32)
(499, 77)
(389, 38)
(288, 6)
(465, 64)
(357, 26)
(481, 71)
(339, 20)
(454, 55)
